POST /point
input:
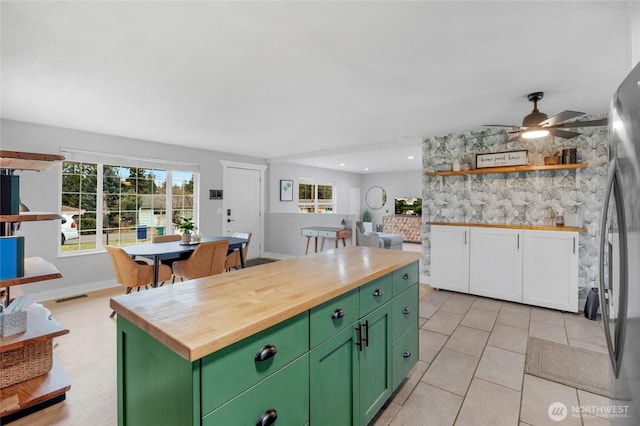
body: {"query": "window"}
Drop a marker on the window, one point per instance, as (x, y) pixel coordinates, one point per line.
(116, 204)
(316, 198)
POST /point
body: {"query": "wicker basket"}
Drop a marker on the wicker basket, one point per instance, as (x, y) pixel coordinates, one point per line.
(25, 363)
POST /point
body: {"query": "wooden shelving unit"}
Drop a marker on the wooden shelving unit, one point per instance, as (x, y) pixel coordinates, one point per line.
(42, 391)
(511, 169)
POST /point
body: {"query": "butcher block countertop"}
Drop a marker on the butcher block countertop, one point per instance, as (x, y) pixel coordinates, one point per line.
(199, 317)
(507, 226)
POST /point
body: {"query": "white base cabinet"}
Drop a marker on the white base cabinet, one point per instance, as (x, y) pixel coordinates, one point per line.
(550, 274)
(496, 266)
(527, 266)
(450, 258)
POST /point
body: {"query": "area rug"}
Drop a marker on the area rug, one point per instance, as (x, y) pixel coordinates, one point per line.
(576, 367)
(258, 261)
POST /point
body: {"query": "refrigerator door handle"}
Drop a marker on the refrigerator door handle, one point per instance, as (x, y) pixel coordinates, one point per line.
(615, 343)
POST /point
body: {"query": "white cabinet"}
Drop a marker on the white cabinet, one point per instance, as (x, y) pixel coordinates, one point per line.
(450, 258)
(550, 270)
(527, 266)
(496, 263)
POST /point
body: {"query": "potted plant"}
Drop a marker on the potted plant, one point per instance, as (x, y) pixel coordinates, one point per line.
(186, 226)
(366, 221)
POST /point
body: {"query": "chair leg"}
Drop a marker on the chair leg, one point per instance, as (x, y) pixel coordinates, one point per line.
(113, 313)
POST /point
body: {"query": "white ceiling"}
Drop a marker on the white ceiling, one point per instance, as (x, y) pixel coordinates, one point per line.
(316, 83)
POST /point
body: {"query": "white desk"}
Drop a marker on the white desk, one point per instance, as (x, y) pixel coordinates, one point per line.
(325, 232)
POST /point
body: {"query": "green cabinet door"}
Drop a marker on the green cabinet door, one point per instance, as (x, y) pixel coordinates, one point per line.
(375, 362)
(333, 379)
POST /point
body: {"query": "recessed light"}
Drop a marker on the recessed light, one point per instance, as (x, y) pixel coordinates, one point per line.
(410, 157)
(366, 169)
(341, 164)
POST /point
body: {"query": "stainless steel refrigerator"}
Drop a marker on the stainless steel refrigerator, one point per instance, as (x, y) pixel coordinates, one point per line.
(620, 251)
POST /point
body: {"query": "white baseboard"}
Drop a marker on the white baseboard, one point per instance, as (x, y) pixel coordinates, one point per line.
(60, 293)
(278, 256)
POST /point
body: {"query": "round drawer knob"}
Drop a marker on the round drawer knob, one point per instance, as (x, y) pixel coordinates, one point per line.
(406, 354)
(406, 310)
(406, 276)
(379, 292)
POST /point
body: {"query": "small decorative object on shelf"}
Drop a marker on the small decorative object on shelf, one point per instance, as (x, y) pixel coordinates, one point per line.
(13, 319)
(501, 159)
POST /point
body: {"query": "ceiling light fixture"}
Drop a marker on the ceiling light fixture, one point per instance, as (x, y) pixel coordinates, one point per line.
(533, 120)
(410, 157)
(341, 164)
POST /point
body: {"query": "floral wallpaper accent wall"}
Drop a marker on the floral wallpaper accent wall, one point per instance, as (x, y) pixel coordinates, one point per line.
(529, 198)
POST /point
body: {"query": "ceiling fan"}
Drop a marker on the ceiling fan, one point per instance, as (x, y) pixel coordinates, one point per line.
(537, 124)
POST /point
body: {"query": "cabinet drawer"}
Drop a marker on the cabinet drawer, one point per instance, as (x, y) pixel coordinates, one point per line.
(235, 368)
(331, 317)
(405, 277)
(309, 233)
(404, 312)
(326, 234)
(285, 394)
(375, 294)
(404, 356)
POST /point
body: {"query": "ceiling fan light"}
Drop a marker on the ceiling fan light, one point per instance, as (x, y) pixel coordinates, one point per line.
(535, 134)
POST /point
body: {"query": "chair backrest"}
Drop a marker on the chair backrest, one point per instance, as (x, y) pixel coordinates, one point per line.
(166, 238)
(207, 259)
(233, 259)
(128, 272)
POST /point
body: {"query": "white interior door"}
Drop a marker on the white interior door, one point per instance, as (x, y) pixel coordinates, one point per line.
(243, 203)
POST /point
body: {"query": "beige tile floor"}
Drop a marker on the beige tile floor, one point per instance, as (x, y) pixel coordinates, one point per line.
(471, 366)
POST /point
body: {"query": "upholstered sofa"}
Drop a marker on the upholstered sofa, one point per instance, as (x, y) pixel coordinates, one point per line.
(377, 239)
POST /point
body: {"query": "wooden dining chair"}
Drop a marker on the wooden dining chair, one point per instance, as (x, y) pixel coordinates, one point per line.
(233, 258)
(132, 273)
(207, 259)
(166, 238)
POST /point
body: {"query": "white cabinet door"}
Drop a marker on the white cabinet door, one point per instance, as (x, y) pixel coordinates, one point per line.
(450, 258)
(550, 271)
(496, 263)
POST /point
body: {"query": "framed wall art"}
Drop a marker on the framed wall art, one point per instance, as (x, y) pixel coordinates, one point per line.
(286, 190)
(499, 159)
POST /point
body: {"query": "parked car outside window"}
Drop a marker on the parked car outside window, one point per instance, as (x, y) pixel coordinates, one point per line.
(69, 229)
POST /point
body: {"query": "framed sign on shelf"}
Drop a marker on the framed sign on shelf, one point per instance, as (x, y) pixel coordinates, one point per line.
(286, 190)
(500, 159)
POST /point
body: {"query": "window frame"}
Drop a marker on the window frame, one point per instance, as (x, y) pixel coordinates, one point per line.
(316, 183)
(103, 159)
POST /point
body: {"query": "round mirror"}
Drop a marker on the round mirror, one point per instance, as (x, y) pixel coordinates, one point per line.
(376, 197)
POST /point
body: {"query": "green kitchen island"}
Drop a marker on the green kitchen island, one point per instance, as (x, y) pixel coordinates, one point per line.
(316, 340)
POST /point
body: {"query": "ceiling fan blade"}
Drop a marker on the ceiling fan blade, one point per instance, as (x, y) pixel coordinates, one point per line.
(559, 118)
(592, 123)
(563, 133)
(501, 125)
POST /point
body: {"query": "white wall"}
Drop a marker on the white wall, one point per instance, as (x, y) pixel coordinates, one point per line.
(405, 184)
(39, 191)
(283, 222)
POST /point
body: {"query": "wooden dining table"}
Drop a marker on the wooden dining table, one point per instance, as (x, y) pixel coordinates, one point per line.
(176, 249)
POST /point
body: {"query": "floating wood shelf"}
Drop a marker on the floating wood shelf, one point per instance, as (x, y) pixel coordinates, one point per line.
(39, 328)
(15, 160)
(29, 217)
(31, 395)
(36, 269)
(39, 390)
(511, 169)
